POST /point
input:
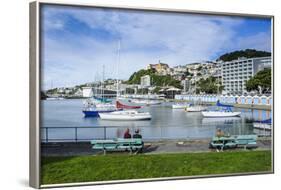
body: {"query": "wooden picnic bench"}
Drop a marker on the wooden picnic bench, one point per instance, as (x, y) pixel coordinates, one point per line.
(119, 144)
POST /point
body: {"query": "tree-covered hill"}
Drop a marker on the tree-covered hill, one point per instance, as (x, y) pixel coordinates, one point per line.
(248, 53)
(157, 80)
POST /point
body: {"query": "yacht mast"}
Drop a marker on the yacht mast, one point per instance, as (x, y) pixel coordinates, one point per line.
(118, 62)
(102, 82)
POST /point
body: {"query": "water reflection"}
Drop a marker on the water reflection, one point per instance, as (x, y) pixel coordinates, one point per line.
(166, 123)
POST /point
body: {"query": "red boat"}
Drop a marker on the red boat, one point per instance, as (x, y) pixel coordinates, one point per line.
(119, 105)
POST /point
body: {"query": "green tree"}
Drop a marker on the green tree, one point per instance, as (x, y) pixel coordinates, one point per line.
(209, 85)
(261, 80)
(156, 80)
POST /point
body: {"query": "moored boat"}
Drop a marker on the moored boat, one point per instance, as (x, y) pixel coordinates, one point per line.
(127, 115)
(180, 106)
(196, 108)
(225, 111)
(146, 102)
(119, 105)
(92, 109)
(220, 113)
(264, 124)
(55, 98)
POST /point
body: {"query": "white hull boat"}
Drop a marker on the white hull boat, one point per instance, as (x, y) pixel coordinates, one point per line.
(146, 102)
(180, 106)
(263, 126)
(220, 114)
(55, 98)
(127, 115)
(195, 108)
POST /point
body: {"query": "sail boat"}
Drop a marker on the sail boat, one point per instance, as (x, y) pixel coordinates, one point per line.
(124, 115)
(196, 106)
(226, 111)
(94, 108)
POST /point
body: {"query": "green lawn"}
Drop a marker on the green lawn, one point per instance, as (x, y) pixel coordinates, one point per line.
(116, 167)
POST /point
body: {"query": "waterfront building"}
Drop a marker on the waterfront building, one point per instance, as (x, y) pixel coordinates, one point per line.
(186, 85)
(145, 81)
(236, 73)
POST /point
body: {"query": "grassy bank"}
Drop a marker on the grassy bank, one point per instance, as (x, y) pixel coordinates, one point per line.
(116, 167)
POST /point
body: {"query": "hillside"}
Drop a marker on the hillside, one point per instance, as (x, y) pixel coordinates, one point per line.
(156, 80)
(248, 53)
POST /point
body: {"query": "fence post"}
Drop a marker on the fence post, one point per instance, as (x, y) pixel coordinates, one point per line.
(76, 134)
(104, 133)
(47, 134)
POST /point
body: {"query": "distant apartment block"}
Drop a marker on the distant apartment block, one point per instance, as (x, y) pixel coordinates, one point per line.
(235, 73)
(186, 85)
(145, 81)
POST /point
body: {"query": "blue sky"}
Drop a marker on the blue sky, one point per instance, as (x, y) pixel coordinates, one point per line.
(77, 42)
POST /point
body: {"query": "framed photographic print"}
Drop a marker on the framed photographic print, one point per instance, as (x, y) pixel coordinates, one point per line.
(122, 94)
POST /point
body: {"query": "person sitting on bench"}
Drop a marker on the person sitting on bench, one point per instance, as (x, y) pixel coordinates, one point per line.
(127, 134)
(137, 134)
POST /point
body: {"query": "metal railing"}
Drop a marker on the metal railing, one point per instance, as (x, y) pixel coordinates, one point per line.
(81, 133)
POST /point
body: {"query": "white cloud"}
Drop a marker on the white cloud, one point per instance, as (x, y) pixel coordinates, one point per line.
(146, 38)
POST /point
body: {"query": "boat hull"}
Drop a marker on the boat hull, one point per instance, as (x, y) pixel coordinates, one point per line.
(220, 114)
(262, 126)
(195, 109)
(179, 106)
(107, 116)
(95, 113)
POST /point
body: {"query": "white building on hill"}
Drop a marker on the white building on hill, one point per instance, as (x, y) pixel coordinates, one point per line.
(236, 73)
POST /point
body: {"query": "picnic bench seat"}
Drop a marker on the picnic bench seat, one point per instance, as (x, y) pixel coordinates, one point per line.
(246, 141)
(119, 144)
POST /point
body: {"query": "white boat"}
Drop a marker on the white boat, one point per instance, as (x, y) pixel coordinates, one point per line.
(55, 98)
(196, 108)
(180, 106)
(264, 125)
(220, 113)
(127, 115)
(146, 102)
(153, 102)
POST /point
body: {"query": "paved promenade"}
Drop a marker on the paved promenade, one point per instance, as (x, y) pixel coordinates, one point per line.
(84, 148)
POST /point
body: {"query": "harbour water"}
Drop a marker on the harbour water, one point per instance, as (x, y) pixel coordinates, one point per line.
(61, 116)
